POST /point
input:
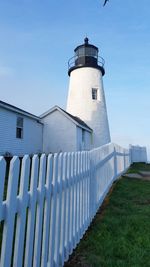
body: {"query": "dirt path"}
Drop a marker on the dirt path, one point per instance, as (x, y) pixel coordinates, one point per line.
(143, 175)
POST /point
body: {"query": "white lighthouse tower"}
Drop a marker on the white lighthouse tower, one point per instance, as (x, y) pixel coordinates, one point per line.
(86, 98)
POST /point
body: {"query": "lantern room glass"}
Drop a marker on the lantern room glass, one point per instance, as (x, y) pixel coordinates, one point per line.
(86, 51)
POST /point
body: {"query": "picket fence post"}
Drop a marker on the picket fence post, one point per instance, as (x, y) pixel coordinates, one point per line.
(31, 212)
(39, 215)
(11, 202)
(115, 164)
(2, 181)
(21, 218)
(47, 212)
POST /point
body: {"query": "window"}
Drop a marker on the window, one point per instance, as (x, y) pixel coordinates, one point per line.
(92, 138)
(83, 135)
(94, 93)
(81, 52)
(19, 128)
(91, 52)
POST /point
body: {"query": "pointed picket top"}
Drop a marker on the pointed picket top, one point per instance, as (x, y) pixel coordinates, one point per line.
(47, 211)
(11, 202)
(24, 174)
(32, 211)
(39, 212)
(21, 219)
(12, 183)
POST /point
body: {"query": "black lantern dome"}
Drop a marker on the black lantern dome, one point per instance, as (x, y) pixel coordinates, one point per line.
(86, 55)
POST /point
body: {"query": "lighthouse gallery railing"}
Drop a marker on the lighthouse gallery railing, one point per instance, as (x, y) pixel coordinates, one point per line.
(72, 61)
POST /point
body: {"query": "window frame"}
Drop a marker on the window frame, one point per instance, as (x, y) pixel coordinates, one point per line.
(19, 127)
(94, 94)
(83, 136)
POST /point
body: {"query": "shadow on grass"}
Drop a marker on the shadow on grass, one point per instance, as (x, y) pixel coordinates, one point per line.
(137, 167)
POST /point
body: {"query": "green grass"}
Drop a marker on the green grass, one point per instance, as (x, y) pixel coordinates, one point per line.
(136, 167)
(120, 234)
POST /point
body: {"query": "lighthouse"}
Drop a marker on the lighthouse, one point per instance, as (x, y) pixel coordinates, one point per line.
(86, 98)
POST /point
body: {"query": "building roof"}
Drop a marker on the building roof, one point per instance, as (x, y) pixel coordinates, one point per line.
(75, 119)
(18, 110)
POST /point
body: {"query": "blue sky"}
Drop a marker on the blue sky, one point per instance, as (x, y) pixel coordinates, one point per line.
(37, 37)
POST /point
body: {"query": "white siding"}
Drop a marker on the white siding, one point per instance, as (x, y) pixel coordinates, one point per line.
(32, 134)
(87, 144)
(59, 133)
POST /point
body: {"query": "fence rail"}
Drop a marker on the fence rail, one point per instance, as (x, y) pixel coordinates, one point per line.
(47, 203)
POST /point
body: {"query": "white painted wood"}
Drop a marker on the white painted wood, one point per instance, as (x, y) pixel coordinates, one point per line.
(58, 211)
(65, 193)
(72, 215)
(38, 133)
(11, 204)
(32, 212)
(86, 192)
(65, 133)
(21, 216)
(138, 153)
(47, 212)
(52, 240)
(31, 142)
(68, 206)
(76, 201)
(82, 191)
(2, 181)
(63, 218)
(79, 197)
(39, 213)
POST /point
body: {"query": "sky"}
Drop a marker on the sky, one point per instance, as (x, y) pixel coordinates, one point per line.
(37, 38)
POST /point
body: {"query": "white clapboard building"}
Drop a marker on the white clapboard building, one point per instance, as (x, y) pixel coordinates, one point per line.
(64, 132)
(20, 132)
(54, 131)
(84, 124)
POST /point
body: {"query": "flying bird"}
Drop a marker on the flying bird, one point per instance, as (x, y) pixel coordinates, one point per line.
(105, 2)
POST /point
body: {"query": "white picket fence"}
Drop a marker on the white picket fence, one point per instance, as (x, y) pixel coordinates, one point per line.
(138, 153)
(51, 201)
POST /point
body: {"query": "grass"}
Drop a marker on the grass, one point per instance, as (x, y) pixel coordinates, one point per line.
(120, 233)
(136, 167)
